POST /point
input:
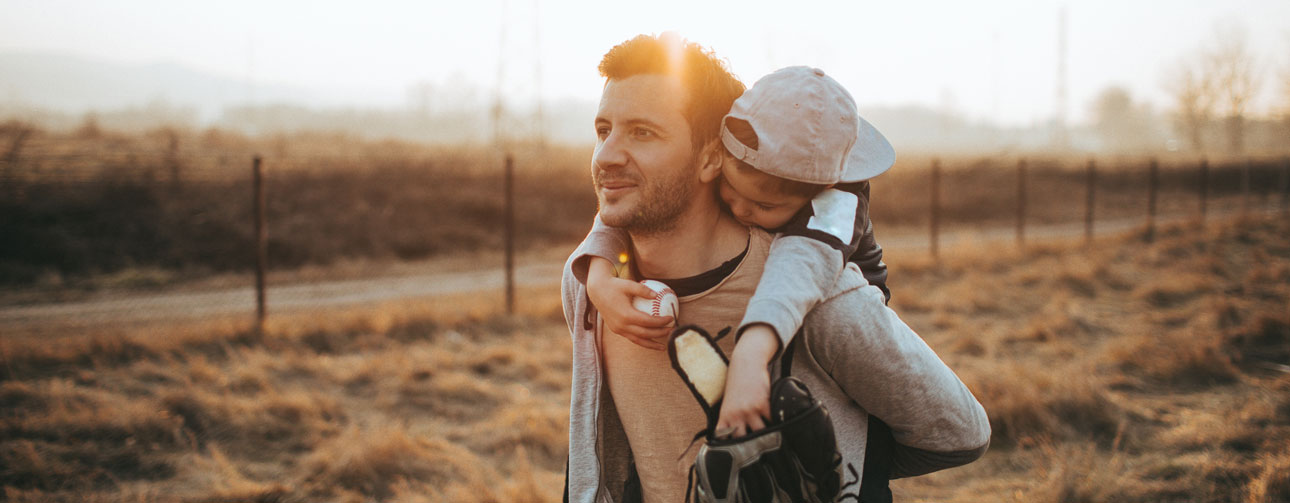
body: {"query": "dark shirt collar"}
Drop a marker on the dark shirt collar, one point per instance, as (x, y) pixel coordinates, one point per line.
(705, 280)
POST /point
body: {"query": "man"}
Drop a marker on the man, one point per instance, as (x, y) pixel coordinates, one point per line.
(656, 161)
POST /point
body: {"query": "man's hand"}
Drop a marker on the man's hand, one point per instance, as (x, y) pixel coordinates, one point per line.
(745, 407)
(612, 296)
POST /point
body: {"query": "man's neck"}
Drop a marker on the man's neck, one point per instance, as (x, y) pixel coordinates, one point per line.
(700, 242)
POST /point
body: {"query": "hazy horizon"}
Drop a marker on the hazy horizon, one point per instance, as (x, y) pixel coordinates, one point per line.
(986, 62)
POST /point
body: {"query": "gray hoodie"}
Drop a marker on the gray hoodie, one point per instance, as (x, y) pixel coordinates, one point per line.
(856, 355)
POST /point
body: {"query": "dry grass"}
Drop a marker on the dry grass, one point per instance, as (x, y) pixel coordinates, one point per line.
(1125, 372)
(466, 409)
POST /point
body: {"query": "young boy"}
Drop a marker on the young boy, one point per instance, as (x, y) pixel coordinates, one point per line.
(798, 157)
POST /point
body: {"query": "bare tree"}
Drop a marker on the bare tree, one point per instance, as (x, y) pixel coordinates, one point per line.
(1285, 90)
(89, 127)
(1285, 95)
(1193, 93)
(1234, 73)
(18, 133)
(1124, 125)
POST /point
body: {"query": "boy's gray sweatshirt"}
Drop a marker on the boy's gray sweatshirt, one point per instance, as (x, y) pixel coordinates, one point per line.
(857, 356)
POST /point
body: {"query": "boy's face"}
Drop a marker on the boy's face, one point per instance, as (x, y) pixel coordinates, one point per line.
(752, 200)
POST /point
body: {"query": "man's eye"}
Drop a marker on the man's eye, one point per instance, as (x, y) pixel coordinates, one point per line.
(642, 133)
(765, 207)
(602, 132)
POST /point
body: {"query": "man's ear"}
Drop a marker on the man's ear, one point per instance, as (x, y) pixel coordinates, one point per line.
(710, 160)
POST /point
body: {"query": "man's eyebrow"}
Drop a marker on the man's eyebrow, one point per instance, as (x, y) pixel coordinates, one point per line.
(638, 121)
(645, 122)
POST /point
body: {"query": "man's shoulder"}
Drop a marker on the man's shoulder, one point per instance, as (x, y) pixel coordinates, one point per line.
(571, 292)
(850, 305)
(569, 284)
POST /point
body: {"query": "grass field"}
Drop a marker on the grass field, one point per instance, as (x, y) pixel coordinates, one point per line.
(1122, 372)
(88, 212)
(77, 210)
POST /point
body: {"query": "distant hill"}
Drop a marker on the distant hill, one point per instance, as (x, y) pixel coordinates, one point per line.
(74, 84)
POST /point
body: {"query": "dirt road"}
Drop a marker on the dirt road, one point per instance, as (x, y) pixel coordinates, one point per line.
(314, 296)
(179, 305)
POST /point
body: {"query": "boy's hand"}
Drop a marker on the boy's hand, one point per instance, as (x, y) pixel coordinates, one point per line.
(746, 406)
(612, 296)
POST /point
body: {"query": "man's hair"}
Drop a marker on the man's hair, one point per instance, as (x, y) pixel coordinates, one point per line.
(744, 133)
(710, 87)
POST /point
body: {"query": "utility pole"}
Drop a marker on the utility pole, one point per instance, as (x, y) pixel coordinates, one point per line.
(498, 108)
(994, 89)
(1060, 139)
(539, 116)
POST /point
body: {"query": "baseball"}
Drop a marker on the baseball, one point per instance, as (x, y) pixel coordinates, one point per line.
(663, 303)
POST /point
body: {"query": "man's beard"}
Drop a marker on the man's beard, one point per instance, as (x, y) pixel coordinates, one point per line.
(661, 203)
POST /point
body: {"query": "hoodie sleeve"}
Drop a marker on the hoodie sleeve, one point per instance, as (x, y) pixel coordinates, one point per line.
(804, 262)
(799, 273)
(602, 241)
(891, 372)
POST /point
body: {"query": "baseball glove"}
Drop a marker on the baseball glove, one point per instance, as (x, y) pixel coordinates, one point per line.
(794, 459)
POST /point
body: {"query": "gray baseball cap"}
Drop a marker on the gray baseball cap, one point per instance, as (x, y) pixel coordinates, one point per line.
(807, 129)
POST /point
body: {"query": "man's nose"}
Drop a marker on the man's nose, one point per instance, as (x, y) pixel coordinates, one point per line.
(610, 153)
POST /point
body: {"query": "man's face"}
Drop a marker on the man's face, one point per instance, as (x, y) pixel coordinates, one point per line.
(643, 167)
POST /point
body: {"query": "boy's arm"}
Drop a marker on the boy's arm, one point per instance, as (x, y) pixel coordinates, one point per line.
(869, 257)
(799, 272)
(804, 262)
(886, 368)
(611, 295)
(867, 253)
(603, 241)
(803, 265)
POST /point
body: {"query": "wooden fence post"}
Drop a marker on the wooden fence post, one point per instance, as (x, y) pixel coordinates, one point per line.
(1088, 202)
(936, 207)
(509, 188)
(1204, 188)
(1153, 185)
(172, 159)
(9, 168)
(261, 244)
(1285, 184)
(1021, 203)
(1245, 188)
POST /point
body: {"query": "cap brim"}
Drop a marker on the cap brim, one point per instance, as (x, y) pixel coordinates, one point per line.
(870, 156)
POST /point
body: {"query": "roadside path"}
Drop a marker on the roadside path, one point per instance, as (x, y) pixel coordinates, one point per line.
(180, 305)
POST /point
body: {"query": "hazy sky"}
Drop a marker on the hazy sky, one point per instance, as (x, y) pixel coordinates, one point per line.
(986, 59)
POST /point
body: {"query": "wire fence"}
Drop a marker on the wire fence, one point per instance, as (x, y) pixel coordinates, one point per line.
(1252, 186)
(126, 232)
